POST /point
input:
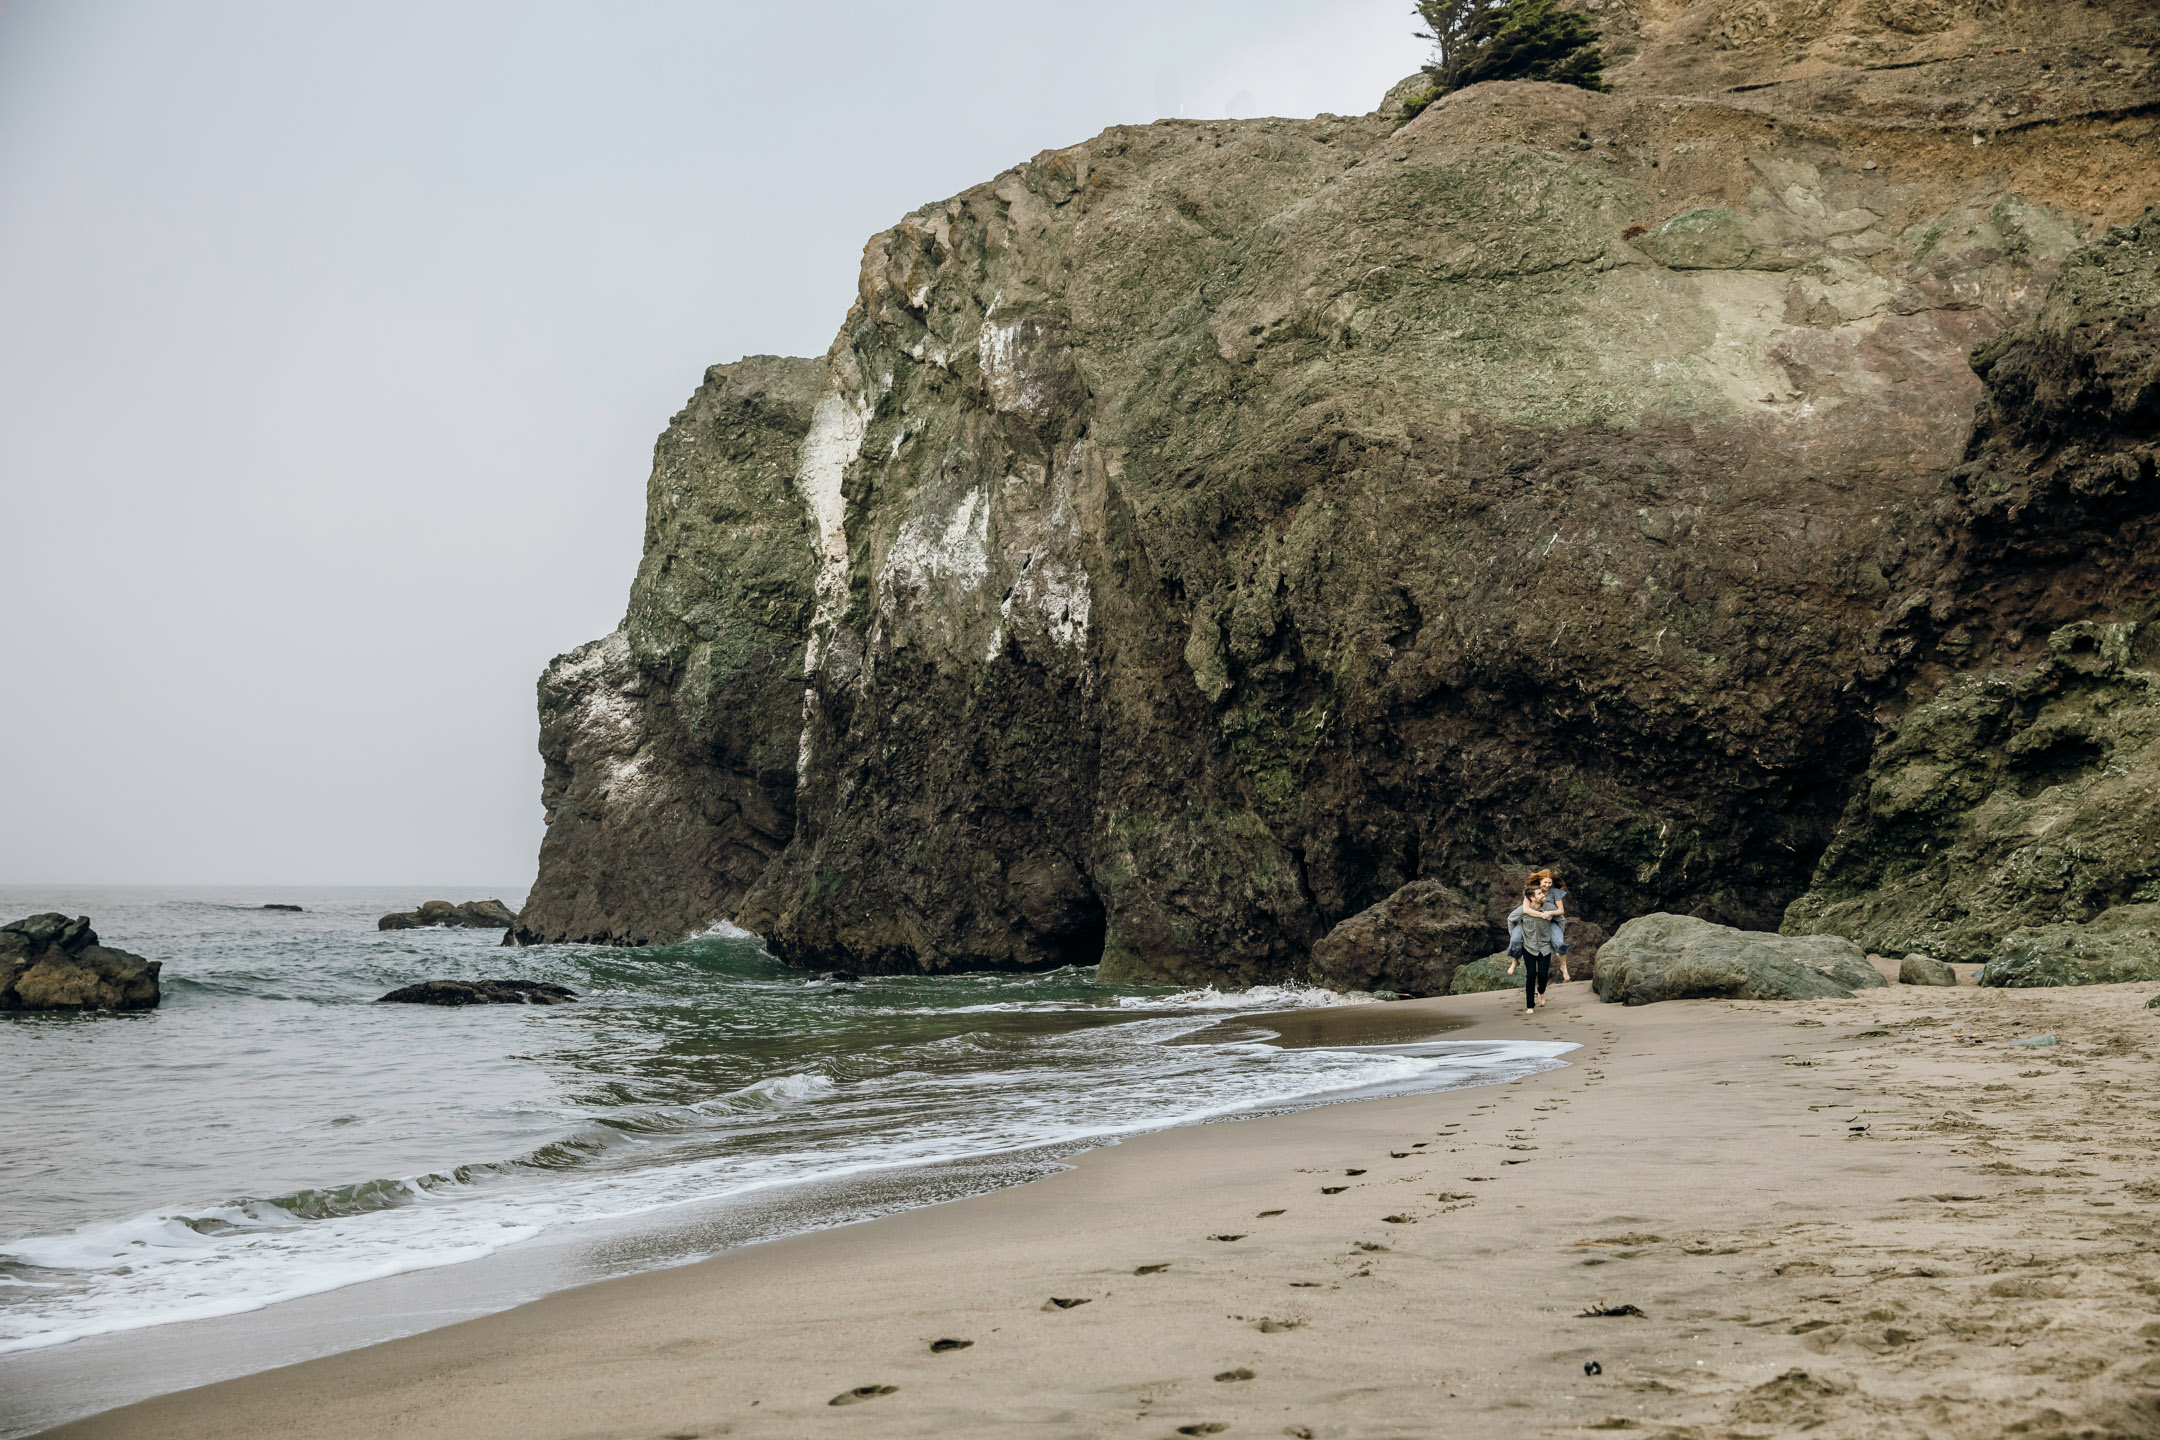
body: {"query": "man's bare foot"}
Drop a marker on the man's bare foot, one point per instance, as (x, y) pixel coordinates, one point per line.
(1530, 1010)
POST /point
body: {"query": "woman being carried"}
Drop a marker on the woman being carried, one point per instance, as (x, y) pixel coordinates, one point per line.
(1538, 917)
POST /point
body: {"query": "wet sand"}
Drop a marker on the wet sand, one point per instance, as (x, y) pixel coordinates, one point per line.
(1868, 1217)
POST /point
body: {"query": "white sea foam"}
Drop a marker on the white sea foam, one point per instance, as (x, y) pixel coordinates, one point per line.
(587, 1130)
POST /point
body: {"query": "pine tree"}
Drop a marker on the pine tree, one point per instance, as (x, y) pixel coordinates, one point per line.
(1475, 40)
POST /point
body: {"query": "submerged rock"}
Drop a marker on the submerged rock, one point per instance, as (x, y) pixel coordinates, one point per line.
(1410, 942)
(49, 962)
(2121, 944)
(1678, 957)
(480, 992)
(472, 915)
(1918, 969)
(295, 909)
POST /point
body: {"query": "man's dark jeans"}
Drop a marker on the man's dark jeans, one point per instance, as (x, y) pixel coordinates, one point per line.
(1537, 970)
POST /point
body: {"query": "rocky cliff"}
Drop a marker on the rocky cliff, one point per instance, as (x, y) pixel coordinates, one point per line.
(1198, 534)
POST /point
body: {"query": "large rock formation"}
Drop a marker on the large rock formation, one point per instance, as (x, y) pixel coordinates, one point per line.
(2030, 794)
(1678, 957)
(1196, 535)
(49, 962)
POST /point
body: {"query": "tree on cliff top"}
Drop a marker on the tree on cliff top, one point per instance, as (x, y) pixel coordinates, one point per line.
(1476, 40)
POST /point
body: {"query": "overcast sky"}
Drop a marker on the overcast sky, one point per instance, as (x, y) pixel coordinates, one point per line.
(334, 339)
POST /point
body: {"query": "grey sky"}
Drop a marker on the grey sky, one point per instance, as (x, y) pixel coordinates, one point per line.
(334, 339)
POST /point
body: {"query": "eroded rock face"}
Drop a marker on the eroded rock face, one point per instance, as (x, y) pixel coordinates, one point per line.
(471, 915)
(2120, 944)
(50, 962)
(1678, 957)
(1197, 535)
(1410, 942)
(671, 744)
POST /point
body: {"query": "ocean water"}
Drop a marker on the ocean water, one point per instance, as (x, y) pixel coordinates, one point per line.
(270, 1132)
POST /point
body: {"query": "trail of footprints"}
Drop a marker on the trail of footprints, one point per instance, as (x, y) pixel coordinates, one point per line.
(1361, 1251)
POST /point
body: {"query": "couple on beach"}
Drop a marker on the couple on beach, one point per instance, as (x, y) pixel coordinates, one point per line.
(1537, 931)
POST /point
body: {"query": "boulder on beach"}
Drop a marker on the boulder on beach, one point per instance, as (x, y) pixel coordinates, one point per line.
(472, 915)
(49, 962)
(480, 992)
(1410, 942)
(1678, 957)
(2121, 944)
(1917, 969)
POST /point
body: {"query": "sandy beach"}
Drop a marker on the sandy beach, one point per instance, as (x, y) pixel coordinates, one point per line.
(1877, 1216)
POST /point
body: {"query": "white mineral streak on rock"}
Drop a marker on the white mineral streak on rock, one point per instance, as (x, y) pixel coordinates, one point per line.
(835, 440)
(1004, 359)
(930, 549)
(609, 720)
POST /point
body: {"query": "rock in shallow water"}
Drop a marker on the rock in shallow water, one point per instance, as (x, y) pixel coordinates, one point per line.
(49, 962)
(2123, 944)
(1677, 957)
(472, 915)
(481, 992)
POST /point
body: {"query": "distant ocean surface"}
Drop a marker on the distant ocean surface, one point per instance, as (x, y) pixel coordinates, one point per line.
(270, 1132)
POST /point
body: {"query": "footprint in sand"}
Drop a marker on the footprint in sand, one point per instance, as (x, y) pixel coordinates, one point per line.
(1241, 1373)
(1264, 1214)
(1353, 1172)
(1058, 1303)
(1205, 1427)
(861, 1393)
(1151, 1269)
(1226, 1237)
(940, 1347)
(1333, 1189)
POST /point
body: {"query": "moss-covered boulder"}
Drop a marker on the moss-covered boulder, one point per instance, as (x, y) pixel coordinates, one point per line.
(2122, 944)
(1678, 957)
(1917, 969)
(1486, 973)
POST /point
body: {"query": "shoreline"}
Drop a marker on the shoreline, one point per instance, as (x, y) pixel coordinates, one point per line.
(1698, 1161)
(46, 1385)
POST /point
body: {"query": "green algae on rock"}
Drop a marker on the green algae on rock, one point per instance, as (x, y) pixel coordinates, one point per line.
(2018, 798)
(1678, 957)
(2121, 944)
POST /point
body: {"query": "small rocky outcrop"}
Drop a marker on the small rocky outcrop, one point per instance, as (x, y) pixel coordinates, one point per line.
(2026, 796)
(480, 992)
(1678, 957)
(1410, 942)
(2122, 944)
(293, 909)
(1917, 969)
(49, 962)
(472, 915)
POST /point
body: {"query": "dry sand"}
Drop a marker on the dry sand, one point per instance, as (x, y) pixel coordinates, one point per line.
(1871, 1217)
